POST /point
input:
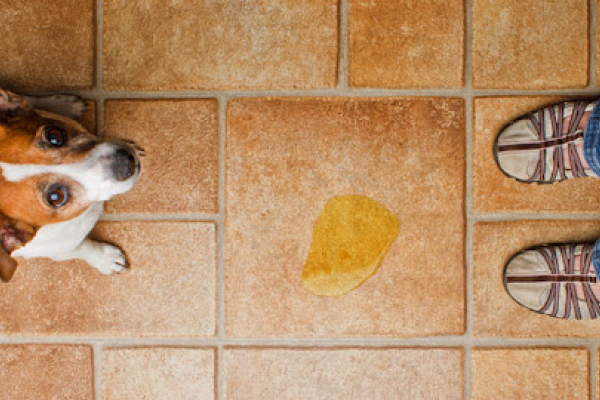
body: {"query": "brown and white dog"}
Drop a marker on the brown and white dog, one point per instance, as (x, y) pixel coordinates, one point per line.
(54, 179)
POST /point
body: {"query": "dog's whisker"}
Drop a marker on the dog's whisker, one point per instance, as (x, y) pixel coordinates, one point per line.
(130, 142)
(138, 149)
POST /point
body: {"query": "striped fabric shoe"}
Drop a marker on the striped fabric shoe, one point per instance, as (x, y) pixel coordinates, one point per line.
(559, 281)
(547, 145)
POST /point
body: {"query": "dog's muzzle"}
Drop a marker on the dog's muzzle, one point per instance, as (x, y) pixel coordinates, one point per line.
(112, 168)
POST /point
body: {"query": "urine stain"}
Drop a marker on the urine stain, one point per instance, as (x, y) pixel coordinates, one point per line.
(350, 239)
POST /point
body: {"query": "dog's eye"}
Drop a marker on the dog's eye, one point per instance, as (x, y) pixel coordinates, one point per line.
(55, 136)
(57, 196)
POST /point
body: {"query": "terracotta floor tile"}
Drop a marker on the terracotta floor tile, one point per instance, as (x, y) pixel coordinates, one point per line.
(343, 374)
(154, 45)
(406, 44)
(530, 374)
(158, 373)
(46, 371)
(287, 157)
(530, 44)
(169, 292)
(494, 312)
(47, 45)
(180, 172)
(494, 191)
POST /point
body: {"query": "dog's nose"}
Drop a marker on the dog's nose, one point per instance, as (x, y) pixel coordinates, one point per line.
(124, 165)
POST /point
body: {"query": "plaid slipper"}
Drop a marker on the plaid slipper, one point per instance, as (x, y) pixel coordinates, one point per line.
(545, 146)
(559, 281)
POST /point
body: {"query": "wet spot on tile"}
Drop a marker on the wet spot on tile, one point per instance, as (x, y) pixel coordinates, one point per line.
(350, 239)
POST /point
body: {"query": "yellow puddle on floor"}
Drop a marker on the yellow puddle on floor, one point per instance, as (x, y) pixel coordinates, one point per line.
(350, 239)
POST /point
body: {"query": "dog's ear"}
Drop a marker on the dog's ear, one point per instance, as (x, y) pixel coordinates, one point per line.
(13, 106)
(13, 234)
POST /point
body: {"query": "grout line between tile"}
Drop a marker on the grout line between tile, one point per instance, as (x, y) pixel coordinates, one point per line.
(543, 216)
(475, 217)
(221, 216)
(97, 349)
(219, 373)
(468, 246)
(184, 217)
(221, 237)
(343, 66)
(100, 95)
(469, 115)
(275, 342)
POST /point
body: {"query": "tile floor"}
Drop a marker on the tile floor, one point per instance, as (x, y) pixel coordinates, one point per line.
(253, 115)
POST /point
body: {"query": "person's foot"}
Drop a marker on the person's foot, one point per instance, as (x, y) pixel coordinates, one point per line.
(559, 281)
(547, 145)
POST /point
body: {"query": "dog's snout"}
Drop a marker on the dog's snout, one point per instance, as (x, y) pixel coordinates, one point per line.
(124, 165)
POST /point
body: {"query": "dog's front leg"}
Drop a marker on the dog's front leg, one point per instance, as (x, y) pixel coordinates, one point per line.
(68, 241)
(13, 105)
(106, 258)
(62, 104)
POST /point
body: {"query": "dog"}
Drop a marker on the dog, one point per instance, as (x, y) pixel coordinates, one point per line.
(54, 179)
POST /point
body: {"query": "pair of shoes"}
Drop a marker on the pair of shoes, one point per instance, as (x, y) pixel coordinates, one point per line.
(551, 145)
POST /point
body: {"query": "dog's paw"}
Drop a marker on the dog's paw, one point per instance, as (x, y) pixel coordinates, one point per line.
(10, 101)
(68, 105)
(108, 259)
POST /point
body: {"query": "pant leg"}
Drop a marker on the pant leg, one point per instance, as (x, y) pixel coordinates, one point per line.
(591, 141)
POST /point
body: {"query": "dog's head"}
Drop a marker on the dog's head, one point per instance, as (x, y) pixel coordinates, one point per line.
(51, 170)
